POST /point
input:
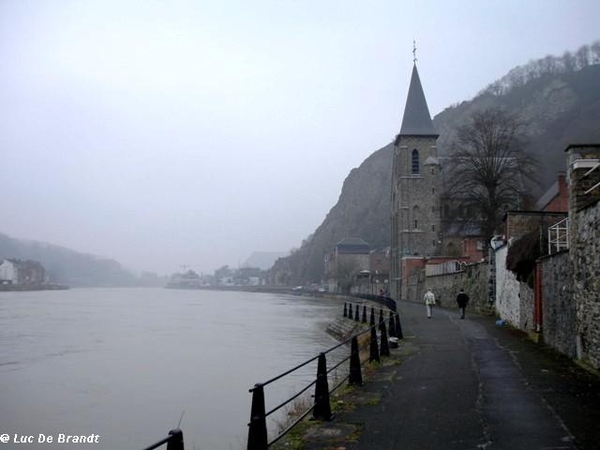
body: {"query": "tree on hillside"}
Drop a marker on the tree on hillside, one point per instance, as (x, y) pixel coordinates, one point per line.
(489, 170)
(345, 271)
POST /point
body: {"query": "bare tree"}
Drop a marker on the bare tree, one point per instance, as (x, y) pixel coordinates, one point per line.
(488, 170)
(345, 271)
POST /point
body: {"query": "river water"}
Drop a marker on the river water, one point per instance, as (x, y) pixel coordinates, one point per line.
(125, 364)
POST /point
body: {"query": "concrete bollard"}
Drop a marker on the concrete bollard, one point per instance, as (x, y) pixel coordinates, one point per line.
(322, 409)
(399, 327)
(355, 378)
(176, 442)
(373, 349)
(385, 346)
(257, 433)
(392, 326)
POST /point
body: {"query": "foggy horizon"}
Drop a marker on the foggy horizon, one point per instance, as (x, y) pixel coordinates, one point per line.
(194, 133)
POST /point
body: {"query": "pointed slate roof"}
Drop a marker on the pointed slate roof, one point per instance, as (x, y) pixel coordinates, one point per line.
(416, 120)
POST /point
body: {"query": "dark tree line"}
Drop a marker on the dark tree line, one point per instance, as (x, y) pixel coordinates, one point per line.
(586, 55)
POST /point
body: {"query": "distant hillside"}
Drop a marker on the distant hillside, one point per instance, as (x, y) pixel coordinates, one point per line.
(558, 97)
(264, 260)
(66, 266)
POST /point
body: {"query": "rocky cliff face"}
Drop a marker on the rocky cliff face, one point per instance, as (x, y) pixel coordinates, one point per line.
(558, 109)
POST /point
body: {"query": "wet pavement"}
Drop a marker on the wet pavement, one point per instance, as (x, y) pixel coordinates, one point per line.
(465, 384)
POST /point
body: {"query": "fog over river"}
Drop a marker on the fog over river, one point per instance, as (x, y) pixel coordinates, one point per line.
(124, 364)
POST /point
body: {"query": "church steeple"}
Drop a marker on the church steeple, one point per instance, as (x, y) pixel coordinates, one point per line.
(416, 187)
(416, 120)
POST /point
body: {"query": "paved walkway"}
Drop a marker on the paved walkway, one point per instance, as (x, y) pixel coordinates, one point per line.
(466, 384)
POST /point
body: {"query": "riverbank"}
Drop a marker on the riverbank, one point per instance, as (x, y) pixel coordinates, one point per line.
(32, 287)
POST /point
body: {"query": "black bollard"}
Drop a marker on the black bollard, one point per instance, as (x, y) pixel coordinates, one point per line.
(322, 409)
(355, 378)
(380, 315)
(350, 315)
(176, 442)
(399, 327)
(372, 316)
(357, 314)
(385, 345)
(392, 326)
(345, 310)
(257, 433)
(364, 318)
(373, 350)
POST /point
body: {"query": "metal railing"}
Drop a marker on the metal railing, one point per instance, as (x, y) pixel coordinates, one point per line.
(558, 236)
(321, 408)
(174, 441)
(379, 299)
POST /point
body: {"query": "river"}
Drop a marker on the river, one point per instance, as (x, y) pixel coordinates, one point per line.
(125, 364)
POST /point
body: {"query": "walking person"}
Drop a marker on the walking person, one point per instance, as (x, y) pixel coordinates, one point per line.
(462, 299)
(429, 298)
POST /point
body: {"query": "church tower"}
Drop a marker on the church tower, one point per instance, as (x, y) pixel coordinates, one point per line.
(416, 184)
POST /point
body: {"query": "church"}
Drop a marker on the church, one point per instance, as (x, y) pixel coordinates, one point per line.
(416, 184)
(416, 197)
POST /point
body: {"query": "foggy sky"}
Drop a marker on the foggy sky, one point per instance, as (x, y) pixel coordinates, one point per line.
(171, 133)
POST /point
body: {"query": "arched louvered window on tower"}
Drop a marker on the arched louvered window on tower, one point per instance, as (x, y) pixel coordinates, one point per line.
(415, 162)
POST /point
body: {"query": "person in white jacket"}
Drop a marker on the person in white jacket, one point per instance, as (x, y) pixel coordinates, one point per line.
(429, 298)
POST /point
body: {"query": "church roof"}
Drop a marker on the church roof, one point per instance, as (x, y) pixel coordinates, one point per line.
(416, 120)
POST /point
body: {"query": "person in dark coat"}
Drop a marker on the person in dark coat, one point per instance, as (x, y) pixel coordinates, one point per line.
(462, 299)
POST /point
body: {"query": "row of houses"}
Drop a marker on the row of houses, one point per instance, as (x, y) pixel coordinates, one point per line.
(354, 267)
(19, 272)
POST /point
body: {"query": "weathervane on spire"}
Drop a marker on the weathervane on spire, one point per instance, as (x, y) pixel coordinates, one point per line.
(414, 52)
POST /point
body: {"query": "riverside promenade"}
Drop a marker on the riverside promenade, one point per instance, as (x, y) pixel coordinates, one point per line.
(464, 384)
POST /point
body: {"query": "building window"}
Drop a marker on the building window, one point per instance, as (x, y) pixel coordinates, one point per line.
(433, 243)
(432, 171)
(416, 224)
(415, 162)
(432, 191)
(433, 228)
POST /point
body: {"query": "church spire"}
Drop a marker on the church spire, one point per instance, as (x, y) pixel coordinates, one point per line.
(416, 120)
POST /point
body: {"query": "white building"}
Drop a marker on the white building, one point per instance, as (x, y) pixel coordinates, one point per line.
(8, 272)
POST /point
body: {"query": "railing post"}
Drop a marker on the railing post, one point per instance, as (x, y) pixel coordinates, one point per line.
(373, 350)
(322, 409)
(345, 310)
(357, 314)
(399, 327)
(257, 434)
(372, 316)
(364, 317)
(355, 372)
(350, 314)
(176, 442)
(385, 345)
(392, 326)
(380, 315)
